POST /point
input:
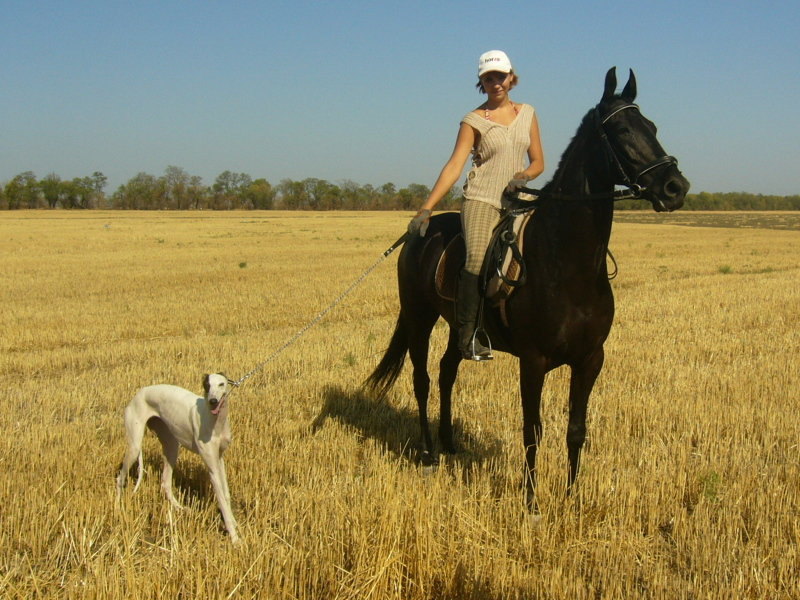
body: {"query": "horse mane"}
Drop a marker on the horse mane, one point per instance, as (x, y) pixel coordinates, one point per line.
(576, 143)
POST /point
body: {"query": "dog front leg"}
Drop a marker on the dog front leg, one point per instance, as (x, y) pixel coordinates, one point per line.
(224, 477)
(220, 484)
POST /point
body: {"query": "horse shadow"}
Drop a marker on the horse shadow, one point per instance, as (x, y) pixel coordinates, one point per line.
(397, 429)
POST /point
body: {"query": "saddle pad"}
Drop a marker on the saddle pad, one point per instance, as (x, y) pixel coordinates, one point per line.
(498, 290)
(454, 256)
(450, 264)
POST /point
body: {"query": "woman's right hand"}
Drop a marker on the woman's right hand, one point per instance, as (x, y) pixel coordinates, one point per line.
(419, 224)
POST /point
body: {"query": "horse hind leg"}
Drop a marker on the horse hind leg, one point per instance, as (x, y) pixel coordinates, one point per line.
(448, 370)
(419, 339)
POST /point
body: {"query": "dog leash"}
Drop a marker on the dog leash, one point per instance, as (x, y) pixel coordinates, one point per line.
(401, 240)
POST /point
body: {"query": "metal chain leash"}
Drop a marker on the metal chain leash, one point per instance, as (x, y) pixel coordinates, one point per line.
(322, 314)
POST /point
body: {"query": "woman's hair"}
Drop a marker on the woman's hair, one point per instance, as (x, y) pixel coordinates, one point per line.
(514, 81)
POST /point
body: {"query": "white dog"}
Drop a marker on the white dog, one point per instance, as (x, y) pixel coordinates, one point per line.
(179, 418)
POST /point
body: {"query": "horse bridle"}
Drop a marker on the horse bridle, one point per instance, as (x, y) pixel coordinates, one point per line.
(634, 187)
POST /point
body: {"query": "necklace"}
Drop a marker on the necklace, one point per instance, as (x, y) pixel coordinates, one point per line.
(486, 111)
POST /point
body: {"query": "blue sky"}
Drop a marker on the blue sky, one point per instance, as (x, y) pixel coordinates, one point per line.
(373, 92)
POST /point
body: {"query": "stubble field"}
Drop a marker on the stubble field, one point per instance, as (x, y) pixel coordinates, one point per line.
(690, 482)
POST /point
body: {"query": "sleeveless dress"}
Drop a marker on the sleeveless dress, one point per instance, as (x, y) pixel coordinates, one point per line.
(502, 151)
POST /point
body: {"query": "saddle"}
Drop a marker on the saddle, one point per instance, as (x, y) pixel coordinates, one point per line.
(503, 267)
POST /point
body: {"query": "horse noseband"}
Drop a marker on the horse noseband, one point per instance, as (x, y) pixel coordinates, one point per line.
(636, 189)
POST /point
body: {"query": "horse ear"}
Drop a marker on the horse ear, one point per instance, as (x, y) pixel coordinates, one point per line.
(629, 92)
(611, 83)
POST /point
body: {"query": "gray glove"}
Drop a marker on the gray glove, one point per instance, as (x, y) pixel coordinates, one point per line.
(515, 184)
(419, 224)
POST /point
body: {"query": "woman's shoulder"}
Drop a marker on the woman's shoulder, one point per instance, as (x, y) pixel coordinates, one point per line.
(476, 113)
(476, 119)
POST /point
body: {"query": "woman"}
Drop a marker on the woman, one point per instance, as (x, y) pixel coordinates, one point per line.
(500, 134)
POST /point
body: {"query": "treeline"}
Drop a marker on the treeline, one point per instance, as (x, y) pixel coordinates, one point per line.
(178, 190)
(725, 201)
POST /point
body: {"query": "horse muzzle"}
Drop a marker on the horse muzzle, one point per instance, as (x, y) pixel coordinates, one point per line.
(667, 193)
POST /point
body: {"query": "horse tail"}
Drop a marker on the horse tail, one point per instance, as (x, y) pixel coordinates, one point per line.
(388, 370)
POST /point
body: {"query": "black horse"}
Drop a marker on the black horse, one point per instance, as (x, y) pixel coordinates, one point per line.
(563, 313)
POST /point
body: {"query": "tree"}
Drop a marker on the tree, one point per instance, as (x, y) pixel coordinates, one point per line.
(388, 196)
(197, 193)
(260, 194)
(79, 193)
(23, 191)
(52, 189)
(229, 190)
(293, 194)
(418, 194)
(353, 195)
(176, 187)
(99, 182)
(318, 191)
(142, 192)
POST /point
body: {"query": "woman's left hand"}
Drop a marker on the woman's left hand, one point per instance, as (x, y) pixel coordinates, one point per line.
(518, 181)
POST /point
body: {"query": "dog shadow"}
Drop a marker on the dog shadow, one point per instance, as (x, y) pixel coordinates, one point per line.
(397, 429)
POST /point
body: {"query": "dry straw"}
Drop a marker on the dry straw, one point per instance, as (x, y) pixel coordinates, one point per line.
(690, 484)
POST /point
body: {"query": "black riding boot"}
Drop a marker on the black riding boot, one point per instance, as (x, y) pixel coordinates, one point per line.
(468, 302)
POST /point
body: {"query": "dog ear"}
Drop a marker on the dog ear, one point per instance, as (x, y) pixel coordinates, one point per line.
(205, 383)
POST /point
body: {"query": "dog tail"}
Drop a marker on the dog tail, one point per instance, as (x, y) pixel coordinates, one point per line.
(139, 474)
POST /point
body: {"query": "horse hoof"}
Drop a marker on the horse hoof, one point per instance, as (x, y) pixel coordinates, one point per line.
(534, 520)
(430, 462)
(449, 448)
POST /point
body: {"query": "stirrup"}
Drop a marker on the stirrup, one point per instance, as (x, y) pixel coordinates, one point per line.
(471, 354)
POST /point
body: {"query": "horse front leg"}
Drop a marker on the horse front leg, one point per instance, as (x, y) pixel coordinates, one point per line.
(531, 378)
(582, 381)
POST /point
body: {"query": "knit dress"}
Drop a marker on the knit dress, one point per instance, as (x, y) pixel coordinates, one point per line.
(502, 151)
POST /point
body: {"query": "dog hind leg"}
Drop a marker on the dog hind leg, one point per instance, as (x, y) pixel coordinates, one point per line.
(134, 428)
(170, 447)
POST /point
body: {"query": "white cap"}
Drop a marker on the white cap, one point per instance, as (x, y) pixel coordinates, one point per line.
(494, 60)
